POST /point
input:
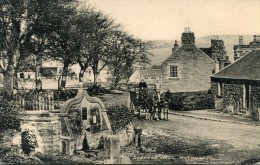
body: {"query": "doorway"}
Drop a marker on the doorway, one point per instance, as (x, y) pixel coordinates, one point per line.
(246, 96)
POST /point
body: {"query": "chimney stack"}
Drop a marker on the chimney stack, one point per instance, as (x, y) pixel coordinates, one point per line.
(240, 40)
(221, 63)
(175, 47)
(188, 37)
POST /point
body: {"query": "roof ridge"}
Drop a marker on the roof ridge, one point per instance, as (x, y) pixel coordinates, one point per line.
(232, 63)
(203, 53)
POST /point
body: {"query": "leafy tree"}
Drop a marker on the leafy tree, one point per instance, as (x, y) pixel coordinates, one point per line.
(139, 54)
(32, 27)
(126, 51)
(62, 42)
(119, 51)
(83, 22)
(99, 42)
(12, 30)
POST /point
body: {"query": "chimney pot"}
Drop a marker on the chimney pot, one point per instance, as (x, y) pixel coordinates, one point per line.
(240, 40)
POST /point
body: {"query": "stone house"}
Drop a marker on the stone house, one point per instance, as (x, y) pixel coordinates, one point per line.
(237, 87)
(188, 68)
(103, 77)
(242, 49)
(217, 52)
(150, 76)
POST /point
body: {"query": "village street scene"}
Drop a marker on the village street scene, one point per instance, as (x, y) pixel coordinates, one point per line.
(129, 82)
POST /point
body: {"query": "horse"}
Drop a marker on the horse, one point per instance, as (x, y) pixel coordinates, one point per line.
(140, 99)
(165, 100)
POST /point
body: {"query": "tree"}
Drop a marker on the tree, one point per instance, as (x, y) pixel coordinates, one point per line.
(12, 31)
(99, 42)
(120, 50)
(62, 40)
(139, 54)
(31, 26)
(127, 51)
(84, 21)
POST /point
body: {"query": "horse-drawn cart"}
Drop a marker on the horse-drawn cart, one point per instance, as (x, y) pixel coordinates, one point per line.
(149, 104)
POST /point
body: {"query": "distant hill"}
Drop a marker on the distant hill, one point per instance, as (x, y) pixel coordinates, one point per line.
(162, 48)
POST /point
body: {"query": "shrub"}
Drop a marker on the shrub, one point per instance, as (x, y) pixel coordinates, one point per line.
(94, 90)
(65, 94)
(10, 115)
(28, 142)
(120, 116)
(191, 101)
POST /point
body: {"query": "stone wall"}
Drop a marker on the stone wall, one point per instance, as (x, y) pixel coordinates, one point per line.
(255, 100)
(214, 88)
(194, 71)
(46, 130)
(232, 98)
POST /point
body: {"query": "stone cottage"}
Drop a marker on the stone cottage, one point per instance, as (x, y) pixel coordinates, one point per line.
(242, 49)
(237, 87)
(150, 76)
(188, 68)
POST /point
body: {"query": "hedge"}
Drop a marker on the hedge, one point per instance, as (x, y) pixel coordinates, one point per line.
(191, 100)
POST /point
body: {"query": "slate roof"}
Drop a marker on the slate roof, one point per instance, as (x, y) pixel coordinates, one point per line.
(207, 51)
(187, 51)
(247, 67)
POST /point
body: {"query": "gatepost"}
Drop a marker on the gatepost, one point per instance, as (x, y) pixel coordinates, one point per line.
(138, 133)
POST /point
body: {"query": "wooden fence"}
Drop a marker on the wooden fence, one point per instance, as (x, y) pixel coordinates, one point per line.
(33, 100)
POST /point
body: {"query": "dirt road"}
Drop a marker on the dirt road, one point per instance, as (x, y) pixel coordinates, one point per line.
(189, 140)
(239, 135)
(203, 141)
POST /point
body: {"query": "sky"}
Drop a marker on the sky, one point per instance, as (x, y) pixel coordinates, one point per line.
(166, 19)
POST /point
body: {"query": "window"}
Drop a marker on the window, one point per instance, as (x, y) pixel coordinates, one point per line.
(21, 75)
(173, 71)
(220, 89)
(84, 113)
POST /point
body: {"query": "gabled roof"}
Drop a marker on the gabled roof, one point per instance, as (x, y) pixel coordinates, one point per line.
(187, 50)
(207, 51)
(150, 72)
(247, 67)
